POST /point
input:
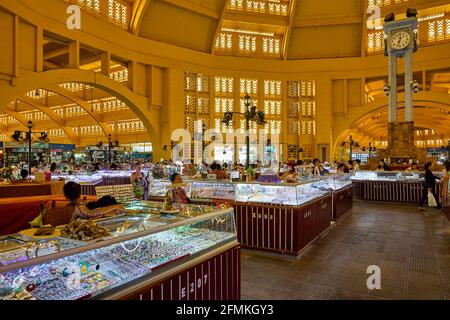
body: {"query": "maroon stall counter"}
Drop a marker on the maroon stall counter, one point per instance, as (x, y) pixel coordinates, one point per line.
(216, 276)
(389, 191)
(342, 202)
(282, 229)
(16, 213)
(31, 189)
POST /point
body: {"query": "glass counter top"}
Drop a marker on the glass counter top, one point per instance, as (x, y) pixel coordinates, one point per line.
(387, 176)
(77, 270)
(141, 216)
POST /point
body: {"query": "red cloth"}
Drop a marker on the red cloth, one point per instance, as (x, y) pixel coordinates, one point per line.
(15, 216)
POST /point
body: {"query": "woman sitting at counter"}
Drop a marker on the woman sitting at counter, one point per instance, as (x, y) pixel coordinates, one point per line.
(178, 193)
(341, 168)
(24, 176)
(382, 166)
(104, 206)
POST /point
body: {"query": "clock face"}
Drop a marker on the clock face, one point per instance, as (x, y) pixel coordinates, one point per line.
(400, 40)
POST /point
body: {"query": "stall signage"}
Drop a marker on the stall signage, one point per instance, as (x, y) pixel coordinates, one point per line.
(13, 144)
(61, 147)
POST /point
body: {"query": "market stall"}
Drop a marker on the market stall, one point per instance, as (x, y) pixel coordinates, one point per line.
(279, 217)
(144, 255)
(88, 182)
(390, 186)
(342, 194)
(27, 189)
(16, 213)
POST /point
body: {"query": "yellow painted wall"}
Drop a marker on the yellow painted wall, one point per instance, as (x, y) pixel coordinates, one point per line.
(156, 69)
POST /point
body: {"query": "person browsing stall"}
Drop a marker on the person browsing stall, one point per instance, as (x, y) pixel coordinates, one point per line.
(429, 185)
(382, 166)
(72, 192)
(178, 193)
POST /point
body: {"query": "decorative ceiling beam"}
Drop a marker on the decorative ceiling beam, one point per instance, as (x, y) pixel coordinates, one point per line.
(287, 33)
(219, 26)
(194, 7)
(332, 21)
(90, 60)
(56, 118)
(364, 29)
(83, 104)
(139, 9)
(257, 18)
(16, 115)
(51, 65)
(417, 4)
(56, 53)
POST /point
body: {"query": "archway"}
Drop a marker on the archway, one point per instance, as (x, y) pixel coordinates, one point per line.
(373, 127)
(49, 80)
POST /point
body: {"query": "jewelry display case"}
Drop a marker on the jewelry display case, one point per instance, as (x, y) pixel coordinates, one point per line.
(340, 185)
(283, 218)
(333, 183)
(387, 176)
(159, 188)
(282, 194)
(143, 251)
(214, 190)
(390, 186)
(79, 178)
(88, 182)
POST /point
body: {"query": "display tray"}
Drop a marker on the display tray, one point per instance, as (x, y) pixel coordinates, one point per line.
(27, 248)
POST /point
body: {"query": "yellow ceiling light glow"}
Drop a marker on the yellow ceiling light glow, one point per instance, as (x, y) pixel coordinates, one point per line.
(270, 34)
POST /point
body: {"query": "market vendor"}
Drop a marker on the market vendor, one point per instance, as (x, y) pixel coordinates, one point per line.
(290, 176)
(178, 193)
(72, 192)
(24, 175)
(139, 182)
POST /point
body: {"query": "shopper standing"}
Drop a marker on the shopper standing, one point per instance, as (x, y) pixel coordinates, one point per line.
(429, 185)
(382, 166)
(137, 180)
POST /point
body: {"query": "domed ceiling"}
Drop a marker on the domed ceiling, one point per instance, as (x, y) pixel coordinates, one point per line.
(277, 29)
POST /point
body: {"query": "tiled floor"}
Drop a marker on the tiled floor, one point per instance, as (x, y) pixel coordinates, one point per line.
(411, 248)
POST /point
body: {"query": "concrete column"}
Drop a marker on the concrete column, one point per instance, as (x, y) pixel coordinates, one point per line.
(106, 63)
(74, 55)
(393, 90)
(408, 89)
(39, 49)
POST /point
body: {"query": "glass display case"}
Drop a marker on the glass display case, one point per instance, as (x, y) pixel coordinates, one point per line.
(159, 188)
(387, 176)
(140, 245)
(213, 190)
(285, 194)
(79, 178)
(333, 183)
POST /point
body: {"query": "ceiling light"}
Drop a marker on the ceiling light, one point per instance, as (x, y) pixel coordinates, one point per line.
(261, 33)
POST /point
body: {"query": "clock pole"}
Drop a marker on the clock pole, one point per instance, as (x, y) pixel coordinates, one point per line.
(401, 42)
(392, 88)
(408, 86)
